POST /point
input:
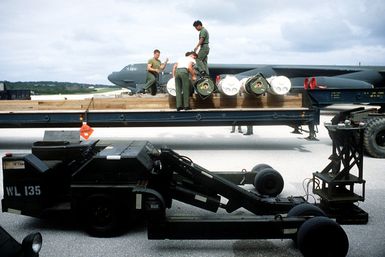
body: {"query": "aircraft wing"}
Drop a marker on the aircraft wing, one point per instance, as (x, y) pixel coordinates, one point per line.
(321, 76)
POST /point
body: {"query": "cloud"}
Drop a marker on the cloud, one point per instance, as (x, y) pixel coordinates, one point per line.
(84, 41)
(318, 35)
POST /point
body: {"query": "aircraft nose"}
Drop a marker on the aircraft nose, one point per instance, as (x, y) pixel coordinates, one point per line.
(116, 78)
(112, 78)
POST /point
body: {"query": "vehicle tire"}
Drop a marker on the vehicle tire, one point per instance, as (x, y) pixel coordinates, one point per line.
(257, 168)
(305, 209)
(321, 236)
(268, 182)
(374, 137)
(101, 216)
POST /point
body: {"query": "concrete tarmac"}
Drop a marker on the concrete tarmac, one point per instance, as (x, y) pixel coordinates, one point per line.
(216, 149)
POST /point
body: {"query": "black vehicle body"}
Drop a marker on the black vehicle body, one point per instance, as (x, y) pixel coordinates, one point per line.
(62, 174)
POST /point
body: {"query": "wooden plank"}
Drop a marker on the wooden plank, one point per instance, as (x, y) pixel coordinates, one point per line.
(18, 105)
(216, 101)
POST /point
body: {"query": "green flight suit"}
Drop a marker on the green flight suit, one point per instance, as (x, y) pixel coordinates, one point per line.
(152, 77)
(182, 88)
(203, 52)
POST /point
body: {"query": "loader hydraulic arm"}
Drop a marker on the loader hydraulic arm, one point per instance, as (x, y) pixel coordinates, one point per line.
(202, 188)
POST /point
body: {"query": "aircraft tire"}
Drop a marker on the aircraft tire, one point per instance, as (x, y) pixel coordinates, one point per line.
(374, 137)
(321, 236)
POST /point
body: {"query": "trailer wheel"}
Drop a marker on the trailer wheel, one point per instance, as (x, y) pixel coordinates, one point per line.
(374, 137)
(321, 236)
(257, 168)
(305, 209)
(268, 182)
(101, 216)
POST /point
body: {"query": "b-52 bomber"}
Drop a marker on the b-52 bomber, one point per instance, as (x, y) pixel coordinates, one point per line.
(230, 79)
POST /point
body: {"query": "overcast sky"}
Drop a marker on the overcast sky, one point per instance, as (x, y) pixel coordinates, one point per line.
(85, 40)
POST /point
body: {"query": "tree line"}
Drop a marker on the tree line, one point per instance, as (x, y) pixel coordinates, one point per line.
(55, 87)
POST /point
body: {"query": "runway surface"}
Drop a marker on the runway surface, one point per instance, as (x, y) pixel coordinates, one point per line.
(216, 149)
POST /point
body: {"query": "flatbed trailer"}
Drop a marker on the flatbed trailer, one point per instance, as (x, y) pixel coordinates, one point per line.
(303, 111)
(160, 118)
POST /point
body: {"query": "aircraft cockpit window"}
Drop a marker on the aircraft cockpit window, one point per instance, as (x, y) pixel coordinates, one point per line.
(126, 67)
(130, 68)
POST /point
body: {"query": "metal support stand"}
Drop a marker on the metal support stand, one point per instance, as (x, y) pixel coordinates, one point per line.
(344, 172)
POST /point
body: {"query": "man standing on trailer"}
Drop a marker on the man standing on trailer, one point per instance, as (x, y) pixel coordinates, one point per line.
(202, 48)
(154, 67)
